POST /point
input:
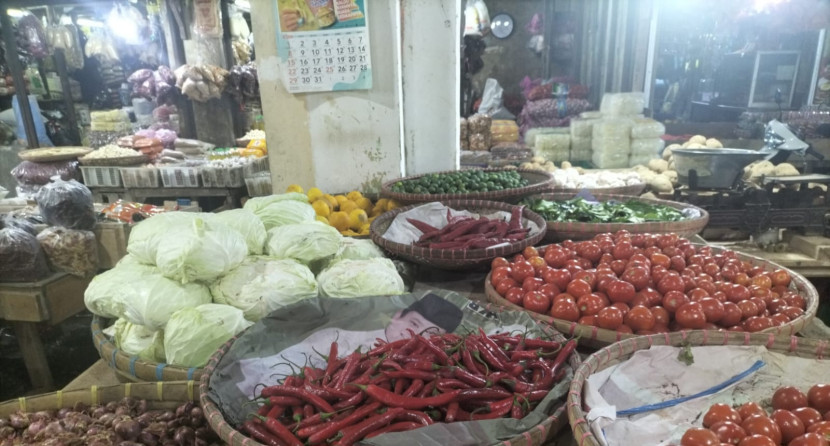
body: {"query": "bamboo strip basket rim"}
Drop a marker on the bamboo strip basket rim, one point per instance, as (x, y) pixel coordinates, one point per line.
(535, 436)
(541, 182)
(48, 154)
(455, 258)
(134, 368)
(158, 395)
(628, 190)
(617, 352)
(599, 337)
(586, 230)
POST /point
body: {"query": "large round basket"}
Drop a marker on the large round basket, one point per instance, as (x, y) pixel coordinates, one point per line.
(613, 354)
(558, 231)
(630, 189)
(456, 259)
(159, 395)
(535, 436)
(538, 182)
(599, 337)
(46, 154)
(131, 367)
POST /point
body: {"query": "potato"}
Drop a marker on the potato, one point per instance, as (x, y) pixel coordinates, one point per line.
(685, 145)
(658, 166)
(647, 176)
(639, 168)
(566, 165)
(579, 170)
(785, 170)
(674, 146)
(549, 167)
(649, 195)
(537, 160)
(667, 153)
(818, 185)
(672, 176)
(527, 166)
(661, 184)
(713, 143)
(763, 168)
(671, 165)
(699, 139)
(696, 145)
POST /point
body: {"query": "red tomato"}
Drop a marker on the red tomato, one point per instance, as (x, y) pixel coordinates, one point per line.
(737, 293)
(505, 285)
(499, 261)
(762, 281)
(624, 329)
(660, 259)
(661, 315)
(499, 273)
(588, 320)
(757, 323)
(678, 263)
(574, 266)
(762, 306)
(788, 398)
(565, 309)
(820, 427)
(796, 300)
(623, 251)
(819, 397)
(762, 425)
(713, 309)
(536, 301)
(657, 273)
(559, 277)
(807, 415)
(610, 318)
(578, 288)
(696, 294)
(697, 436)
(651, 295)
(538, 264)
(517, 258)
(532, 283)
(757, 440)
(620, 291)
(691, 315)
(674, 300)
(741, 279)
(779, 319)
(671, 282)
(732, 314)
(789, 424)
(530, 252)
(774, 305)
(748, 309)
(589, 250)
(590, 304)
(618, 266)
(810, 439)
(639, 318)
(728, 432)
(515, 296)
(556, 257)
(780, 277)
(637, 276)
(522, 270)
(549, 290)
(622, 306)
(720, 412)
(791, 312)
(586, 276)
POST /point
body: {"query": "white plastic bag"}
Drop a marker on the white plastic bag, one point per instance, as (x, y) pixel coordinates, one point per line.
(492, 103)
(476, 18)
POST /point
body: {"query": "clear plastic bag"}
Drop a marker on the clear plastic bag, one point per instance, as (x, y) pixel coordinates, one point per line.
(36, 41)
(70, 251)
(29, 173)
(647, 128)
(67, 204)
(21, 258)
(18, 223)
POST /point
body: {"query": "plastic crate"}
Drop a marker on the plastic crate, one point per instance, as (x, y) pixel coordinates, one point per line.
(259, 185)
(97, 176)
(179, 176)
(134, 177)
(213, 176)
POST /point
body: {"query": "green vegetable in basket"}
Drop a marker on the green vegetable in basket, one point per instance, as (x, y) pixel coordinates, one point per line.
(201, 251)
(193, 334)
(246, 223)
(137, 340)
(361, 278)
(304, 242)
(581, 210)
(464, 181)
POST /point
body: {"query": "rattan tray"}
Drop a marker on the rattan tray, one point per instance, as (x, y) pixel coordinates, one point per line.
(46, 154)
(613, 354)
(455, 259)
(133, 368)
(599, 337)
(537, 435)
(539, 182)
(558, 231)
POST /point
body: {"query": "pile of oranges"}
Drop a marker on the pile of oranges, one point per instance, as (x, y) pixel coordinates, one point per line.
(350, 213)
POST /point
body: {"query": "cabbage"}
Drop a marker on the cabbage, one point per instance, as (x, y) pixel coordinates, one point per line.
(145, 236)
(141, 295)
(194, 334)
(303, 242)
(261, 285)
(200, 251)
(139, 341)
(247, 224)
(286, 212)
(356, 249)
(256, 204)
(360, 278)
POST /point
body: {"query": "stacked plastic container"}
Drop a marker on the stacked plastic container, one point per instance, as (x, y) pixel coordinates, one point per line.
(646, 141)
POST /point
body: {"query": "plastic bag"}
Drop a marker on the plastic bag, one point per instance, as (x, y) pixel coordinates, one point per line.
(40, 129)
(21, 259)
(492, 102)
(476, 18)
(28, 172)
(67, 204)
(70, 251)
(36, 41)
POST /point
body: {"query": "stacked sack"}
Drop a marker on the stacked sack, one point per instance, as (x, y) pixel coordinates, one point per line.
(611, 133)
(478, 132)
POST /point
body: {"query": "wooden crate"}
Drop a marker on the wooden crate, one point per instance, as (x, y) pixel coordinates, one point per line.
(112, 242)
(50, 300)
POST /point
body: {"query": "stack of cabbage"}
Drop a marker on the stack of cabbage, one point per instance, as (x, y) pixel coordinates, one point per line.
(192, 281)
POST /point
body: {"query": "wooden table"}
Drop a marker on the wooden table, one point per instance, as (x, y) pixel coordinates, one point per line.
(26, 304)
(233, 195)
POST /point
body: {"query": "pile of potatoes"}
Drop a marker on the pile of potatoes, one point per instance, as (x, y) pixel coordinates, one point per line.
(756, 171)
(661, 175)
(540, 163)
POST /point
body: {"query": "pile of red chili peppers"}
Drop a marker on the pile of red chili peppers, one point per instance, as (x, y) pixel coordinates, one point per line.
(470, 233)
(407, 384)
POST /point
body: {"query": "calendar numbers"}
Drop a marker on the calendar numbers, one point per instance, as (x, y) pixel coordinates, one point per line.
(319, 62)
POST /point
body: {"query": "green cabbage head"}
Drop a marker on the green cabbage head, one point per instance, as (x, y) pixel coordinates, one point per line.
(304, 242)
(246, 223)
(139, 341)
(361, 278)
(193, 334)
(200, 251)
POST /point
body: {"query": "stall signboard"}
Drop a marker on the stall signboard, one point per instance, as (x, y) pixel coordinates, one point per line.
(324, 45)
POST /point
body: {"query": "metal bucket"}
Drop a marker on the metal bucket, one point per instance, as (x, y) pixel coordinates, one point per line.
(712, 168)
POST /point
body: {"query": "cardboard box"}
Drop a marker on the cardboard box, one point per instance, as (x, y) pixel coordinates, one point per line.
(112, 242)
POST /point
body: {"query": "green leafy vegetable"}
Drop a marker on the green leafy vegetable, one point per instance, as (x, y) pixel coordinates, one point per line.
(580, 210)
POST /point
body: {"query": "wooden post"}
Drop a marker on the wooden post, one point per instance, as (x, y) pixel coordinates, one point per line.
(34, 355)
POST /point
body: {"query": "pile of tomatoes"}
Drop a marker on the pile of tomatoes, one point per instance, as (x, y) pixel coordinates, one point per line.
(645, 284)
(797, 420)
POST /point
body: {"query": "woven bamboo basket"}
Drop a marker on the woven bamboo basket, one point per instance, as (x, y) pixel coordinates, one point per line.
(539, 182)
(135, 369)
(630, 189)
(455, 259)
(159, 395)
(558, 231)
(613, 354)
(535, 436)
(596, 337)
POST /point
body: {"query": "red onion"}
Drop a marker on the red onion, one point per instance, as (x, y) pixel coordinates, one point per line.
(128, 429)
(18, 421)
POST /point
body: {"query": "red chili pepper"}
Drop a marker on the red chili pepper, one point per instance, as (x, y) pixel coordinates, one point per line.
(447, 385)
(293, 381)
(422, 226)
(259, 433)
(322, 433)
(353, 401)
(348, 370)
(264, 409)
(497, 409)
(386, 347)
(566, 351)
(416, 416)
(284, 401)
(394, 427)
(535, 343)
(469, 378)
(281, 432)
(408, 402)
(546, 379)
(415, 387)
(517, 369)
(489, 355)
(359, 431)
(452, 412)
(527, 355)
(536, 395)
(464, 228)
(410, 374)
(391, 364)
(308, 411)
(482, 394)
(517, 412)
(300, 393)
(515, 218)
(440, 355)
(312, 374)
(275, 412)
(468, 361)
(314, 420)
(400, 385)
